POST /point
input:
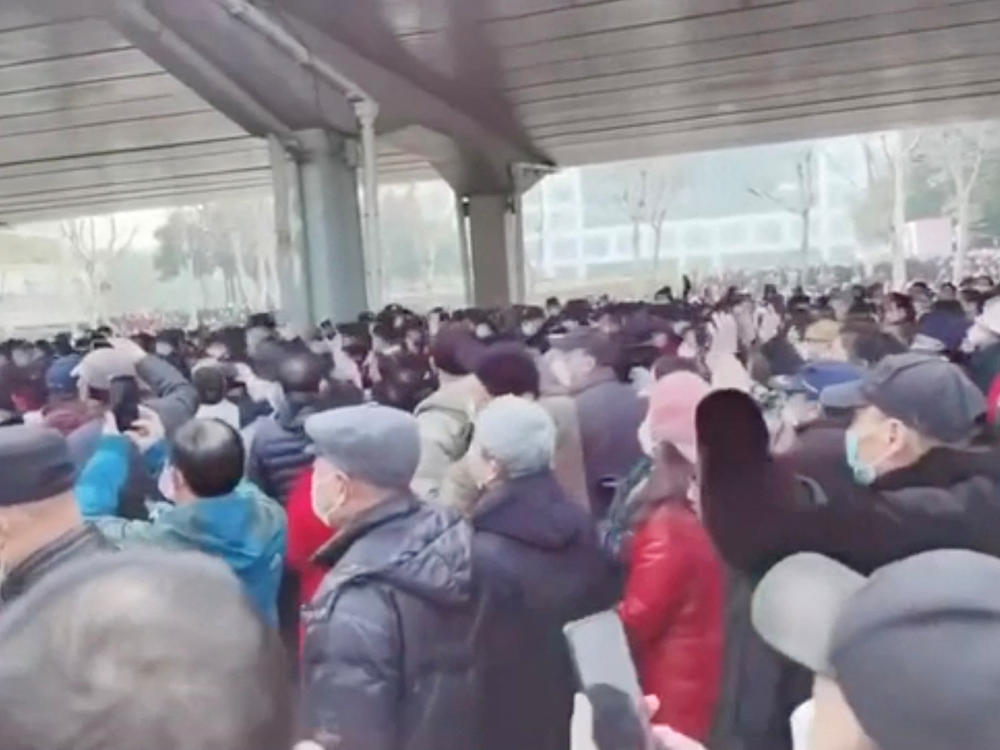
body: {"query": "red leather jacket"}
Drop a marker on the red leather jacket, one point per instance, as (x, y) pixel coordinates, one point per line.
(673, 611)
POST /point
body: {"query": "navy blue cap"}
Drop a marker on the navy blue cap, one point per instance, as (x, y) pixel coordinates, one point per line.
(927, 393)
(815, 377)
(59, 378)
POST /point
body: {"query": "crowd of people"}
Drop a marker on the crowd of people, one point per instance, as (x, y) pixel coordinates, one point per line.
(370, 535)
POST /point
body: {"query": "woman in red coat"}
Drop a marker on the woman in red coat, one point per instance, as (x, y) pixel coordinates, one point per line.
(674, 593)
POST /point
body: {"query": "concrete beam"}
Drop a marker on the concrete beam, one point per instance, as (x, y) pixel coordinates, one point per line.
(188, 65)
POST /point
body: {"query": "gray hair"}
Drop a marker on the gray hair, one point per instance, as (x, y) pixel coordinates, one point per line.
(518, 434)
(141, 649)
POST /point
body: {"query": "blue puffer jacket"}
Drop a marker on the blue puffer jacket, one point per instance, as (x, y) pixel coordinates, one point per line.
(281, 449)
(245, 528)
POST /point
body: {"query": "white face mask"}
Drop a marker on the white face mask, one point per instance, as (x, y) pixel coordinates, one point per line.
(801, 722)
(163, 349)
(216, 351)
(166, 484)
(646, 439)
(323, 504)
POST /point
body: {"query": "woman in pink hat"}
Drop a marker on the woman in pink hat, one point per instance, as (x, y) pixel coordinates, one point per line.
(674, 593)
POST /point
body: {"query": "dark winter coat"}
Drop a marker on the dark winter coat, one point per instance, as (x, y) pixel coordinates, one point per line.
(536, 553)
(759, 509)
(609, 414)
(389, 661)
(280, 448)
(81, 542)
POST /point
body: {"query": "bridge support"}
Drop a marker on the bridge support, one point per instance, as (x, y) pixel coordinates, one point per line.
(320, 255)
(496, 241)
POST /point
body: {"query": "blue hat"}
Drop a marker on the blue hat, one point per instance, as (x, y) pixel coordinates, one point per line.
(376, 444)
(59, 378)
(813, 377)
(944, 327)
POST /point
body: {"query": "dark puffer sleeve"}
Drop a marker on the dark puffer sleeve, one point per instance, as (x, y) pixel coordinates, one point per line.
(352, 677)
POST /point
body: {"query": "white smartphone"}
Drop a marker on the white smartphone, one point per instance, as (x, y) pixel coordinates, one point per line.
(599, 650)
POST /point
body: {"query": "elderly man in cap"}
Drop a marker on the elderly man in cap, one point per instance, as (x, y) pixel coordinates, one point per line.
(41, 528)
(904, 660)
(905, 477)
(388, 657)
(609, 411)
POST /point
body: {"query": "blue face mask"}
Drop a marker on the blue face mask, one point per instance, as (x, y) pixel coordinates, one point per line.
(864, 473)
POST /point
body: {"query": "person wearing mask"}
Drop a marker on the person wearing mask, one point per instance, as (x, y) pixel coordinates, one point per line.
(609, 411)
(674, 591)
(41, 528)
(141, 650)
(509, 369)
(982, 342)
(903, 660)
(279, 452)
(538, 552)
(212, 510)
(904, 478)
(389, 661)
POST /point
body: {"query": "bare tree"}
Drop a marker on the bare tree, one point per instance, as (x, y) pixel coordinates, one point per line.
(93, 250)
(962, 154)
(647, 202)
(802, 202)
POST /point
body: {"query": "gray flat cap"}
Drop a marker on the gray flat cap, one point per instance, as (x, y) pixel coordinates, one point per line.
(376, 444)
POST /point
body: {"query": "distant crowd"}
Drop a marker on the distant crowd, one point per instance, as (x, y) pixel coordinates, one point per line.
(370, 535)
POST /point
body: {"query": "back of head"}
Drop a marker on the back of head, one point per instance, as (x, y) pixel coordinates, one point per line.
(508, 369)
(209, 454)
(301, 372)
(455, 350)
(210, 382)
(134, 650)
(518, 434)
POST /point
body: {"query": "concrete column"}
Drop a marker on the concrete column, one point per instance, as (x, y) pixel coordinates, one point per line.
(493, 236)
(320, 256)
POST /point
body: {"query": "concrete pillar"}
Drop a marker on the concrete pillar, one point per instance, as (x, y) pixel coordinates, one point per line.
(332, 221)
(493, 237)
(322, 267)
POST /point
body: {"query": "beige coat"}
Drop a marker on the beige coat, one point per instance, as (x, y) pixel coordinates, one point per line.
(459, 490)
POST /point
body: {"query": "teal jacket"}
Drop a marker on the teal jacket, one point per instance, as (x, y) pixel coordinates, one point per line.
(245, 528)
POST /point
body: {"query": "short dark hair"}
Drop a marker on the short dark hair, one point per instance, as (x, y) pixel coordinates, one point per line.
(905, 303)
(210, 382)
(508, 369)
(210, 456)
(218, 681)
(454, 349)
(301, 372)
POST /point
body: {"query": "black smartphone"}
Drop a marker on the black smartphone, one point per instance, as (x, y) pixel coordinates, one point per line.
(124, 401)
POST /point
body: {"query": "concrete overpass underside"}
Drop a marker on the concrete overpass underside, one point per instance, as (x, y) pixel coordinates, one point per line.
(111, 104)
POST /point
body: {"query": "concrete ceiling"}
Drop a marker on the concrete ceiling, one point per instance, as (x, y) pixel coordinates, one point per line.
(91, 120)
